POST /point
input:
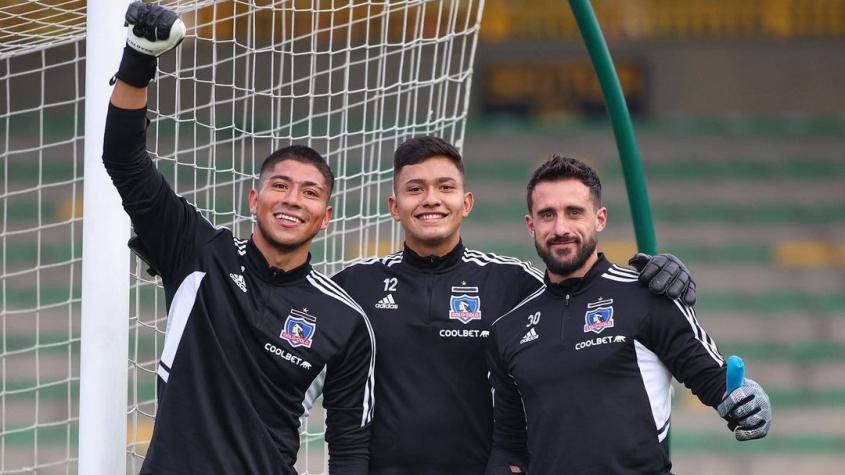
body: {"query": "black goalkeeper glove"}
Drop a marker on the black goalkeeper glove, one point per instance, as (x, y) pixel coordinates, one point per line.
(153, 31)
(665, 274)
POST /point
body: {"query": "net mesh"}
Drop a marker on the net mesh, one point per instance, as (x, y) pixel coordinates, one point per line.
(41, 133)
(27, 26)
(350, 78)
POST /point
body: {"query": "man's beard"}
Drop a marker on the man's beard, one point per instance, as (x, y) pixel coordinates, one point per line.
(566, 265)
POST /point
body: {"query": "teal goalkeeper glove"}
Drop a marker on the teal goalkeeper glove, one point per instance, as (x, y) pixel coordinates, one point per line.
(748, 411)
(153, 30)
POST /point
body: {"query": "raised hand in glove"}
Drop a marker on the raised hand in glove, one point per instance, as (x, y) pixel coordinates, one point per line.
(153, 30)
(665, 274)
(748, 411)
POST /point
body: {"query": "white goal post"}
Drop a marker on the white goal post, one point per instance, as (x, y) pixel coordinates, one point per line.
(350, 78)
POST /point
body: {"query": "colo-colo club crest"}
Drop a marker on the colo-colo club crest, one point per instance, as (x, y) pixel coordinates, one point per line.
(299, 329)
(599, 316)
(465, 307)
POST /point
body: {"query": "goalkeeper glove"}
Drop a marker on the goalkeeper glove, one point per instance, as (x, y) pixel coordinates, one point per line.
(153, 30)
(665, 274)
(747, 411)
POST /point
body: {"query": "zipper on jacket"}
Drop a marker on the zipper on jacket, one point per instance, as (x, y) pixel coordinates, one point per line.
(563, 319)
(429, 279)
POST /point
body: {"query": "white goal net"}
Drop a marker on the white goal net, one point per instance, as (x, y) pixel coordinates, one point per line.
(41, 136)
(350, 78)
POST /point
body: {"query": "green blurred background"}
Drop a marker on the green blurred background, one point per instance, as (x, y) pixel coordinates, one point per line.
(740, 116)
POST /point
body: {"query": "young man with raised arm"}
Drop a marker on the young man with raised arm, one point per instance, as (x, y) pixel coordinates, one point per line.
(431, 306)
(581, 369)
(254, 334)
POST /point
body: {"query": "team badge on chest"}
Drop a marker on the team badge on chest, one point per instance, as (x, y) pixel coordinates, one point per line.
(465, 307)
(299, 329)
(599, 316)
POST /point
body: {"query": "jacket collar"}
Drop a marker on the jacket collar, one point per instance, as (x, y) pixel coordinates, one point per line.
(259, 265)
(576, 285)
(433, 263)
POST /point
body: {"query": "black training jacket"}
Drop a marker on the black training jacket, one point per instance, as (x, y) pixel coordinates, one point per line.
(248, 347)
(431, 317)
(587, 364)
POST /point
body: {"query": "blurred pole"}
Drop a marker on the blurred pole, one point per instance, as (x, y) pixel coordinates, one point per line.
(623, 131)
(105, 262)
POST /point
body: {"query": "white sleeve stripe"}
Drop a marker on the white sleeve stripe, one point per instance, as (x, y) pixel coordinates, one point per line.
(701, 335)
(663, 432)
(387, 260)
(483, 259)
(177, 318)
(622, 272)
(657, 382)
(699, 332)
(492, 257)
(311, 394)
(392, 262)
(536, 294)
(664, 428)
(709, 340)
(163, 373)
(317, 282)
(330, 288)
(619, 279)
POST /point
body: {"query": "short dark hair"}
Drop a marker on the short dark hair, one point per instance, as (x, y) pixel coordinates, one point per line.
(420, 149)
(302, 154)
(563, 168)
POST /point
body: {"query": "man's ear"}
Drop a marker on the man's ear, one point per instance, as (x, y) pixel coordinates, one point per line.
(469, 202)
(530, 224)
(253, 201)
(393, 207)
(327, 217)
(601, 219)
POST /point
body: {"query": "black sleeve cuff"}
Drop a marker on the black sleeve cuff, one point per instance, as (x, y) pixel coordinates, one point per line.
(136, 69)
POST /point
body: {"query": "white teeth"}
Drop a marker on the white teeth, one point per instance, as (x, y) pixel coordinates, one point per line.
(431, 216)
(286, 217)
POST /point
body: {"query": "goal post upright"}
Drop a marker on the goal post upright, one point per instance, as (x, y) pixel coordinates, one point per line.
(105, 263)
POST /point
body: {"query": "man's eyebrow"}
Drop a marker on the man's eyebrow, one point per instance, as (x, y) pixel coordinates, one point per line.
(441, 179)
(303, 183)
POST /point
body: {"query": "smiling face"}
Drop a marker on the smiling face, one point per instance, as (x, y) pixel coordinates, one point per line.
(565, 221)
(290, 207)
(430, 202)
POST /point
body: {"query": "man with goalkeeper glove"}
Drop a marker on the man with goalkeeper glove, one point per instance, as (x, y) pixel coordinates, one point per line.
(431, 306)
(581, 370)
(254, 334)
